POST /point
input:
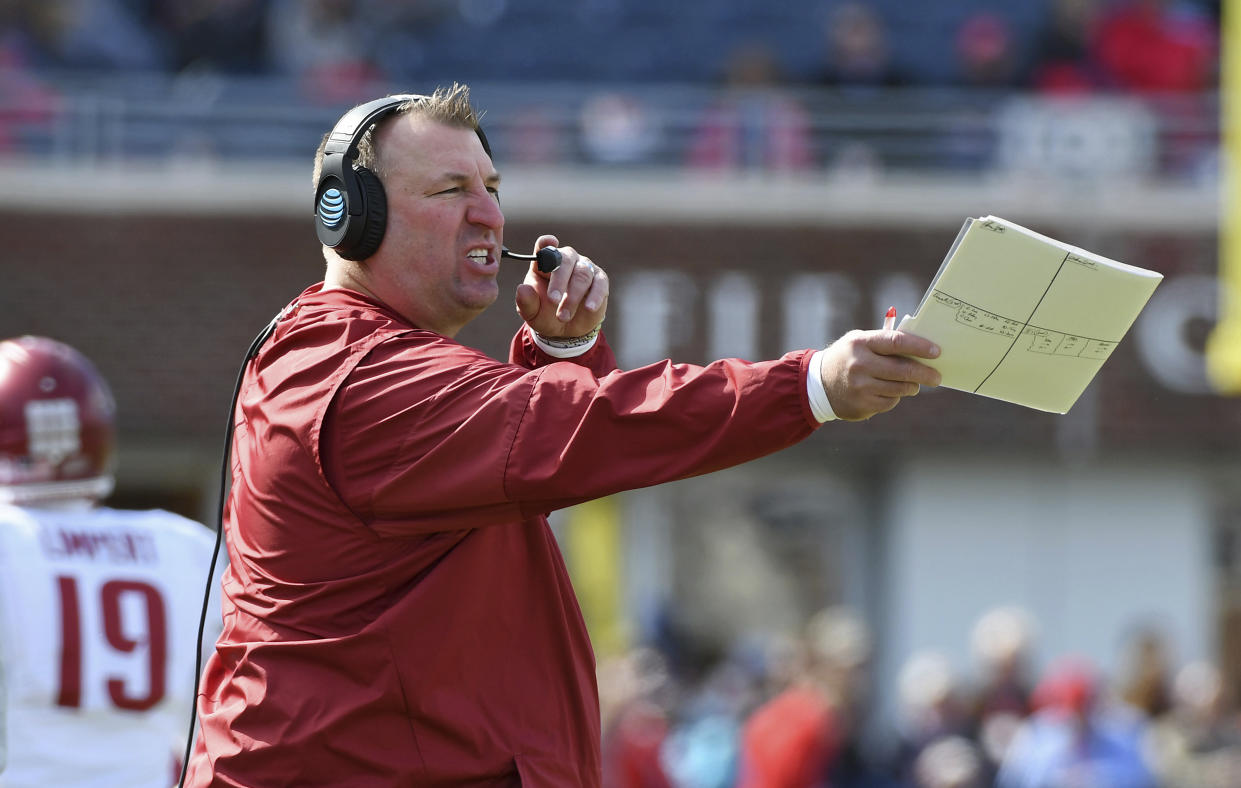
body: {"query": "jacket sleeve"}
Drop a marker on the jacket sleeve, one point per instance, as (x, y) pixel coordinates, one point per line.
(599, 359)
(435, 437)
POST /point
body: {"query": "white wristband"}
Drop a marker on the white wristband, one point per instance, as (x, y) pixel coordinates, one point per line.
(817, 394)
(565, 347)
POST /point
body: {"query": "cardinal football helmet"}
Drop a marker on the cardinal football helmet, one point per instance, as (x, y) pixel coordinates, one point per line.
(57, 424)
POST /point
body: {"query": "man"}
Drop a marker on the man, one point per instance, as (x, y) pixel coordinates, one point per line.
(1075, 736)
(396, 609)
(808, 733)
(99, 607)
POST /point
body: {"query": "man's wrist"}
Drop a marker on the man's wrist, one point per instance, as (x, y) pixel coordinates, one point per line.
(566, 347)
(816, 392)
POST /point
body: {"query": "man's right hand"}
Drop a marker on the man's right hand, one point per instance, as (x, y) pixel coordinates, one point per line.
(868, 372)
(570, 301)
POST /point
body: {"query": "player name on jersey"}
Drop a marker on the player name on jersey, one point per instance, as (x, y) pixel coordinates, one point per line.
(116, 546)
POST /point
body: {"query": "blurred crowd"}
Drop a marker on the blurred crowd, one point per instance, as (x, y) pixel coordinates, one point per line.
(780, 79)
(1054, 45)
(801, 713)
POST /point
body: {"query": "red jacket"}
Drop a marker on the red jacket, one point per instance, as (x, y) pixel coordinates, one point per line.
(396, 609)
(789, 741)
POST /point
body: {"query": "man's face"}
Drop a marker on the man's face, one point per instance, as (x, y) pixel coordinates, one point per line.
(440, 254)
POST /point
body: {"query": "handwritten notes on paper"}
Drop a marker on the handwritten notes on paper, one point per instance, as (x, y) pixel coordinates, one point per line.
(1025, 318)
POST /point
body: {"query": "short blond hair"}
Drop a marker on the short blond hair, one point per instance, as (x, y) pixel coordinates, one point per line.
(448, 105)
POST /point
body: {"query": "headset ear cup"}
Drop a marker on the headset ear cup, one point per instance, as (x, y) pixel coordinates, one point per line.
(375, 215)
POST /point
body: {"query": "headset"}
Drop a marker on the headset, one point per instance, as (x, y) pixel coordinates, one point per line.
(351, 209)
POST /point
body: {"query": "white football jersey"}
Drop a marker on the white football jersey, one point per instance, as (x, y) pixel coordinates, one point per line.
(99, 613)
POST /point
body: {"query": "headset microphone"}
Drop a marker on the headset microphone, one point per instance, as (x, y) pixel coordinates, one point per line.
(548, 257)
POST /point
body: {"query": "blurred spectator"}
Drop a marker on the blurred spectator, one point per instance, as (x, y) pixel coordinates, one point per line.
(322, 43)
(28, 33)
(217, 36)
(755, 124)
(635, 722)
(1074, 740)
(617, 129)
(1160, 47)
(985, 55)
(790, 741)
(794, 739)
(400, 33)
(702, 749)
(858, 53)
(1198, 745)
(532, 136)
(81, 34)
(931, 709)
(1064, 62)
(950, 762)
(25, 122)
(1144, 682)
(858, 66)
(985, 52)
(1001, 642)
(702, 753)
(780, 665)
(843, 643)
(1152, 46)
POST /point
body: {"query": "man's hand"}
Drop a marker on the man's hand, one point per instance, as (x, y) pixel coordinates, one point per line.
(864, 372)
(570, 301)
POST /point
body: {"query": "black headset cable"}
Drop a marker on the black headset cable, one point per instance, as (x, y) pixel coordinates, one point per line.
(219, 537)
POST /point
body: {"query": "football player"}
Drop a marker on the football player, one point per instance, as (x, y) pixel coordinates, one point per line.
(99, 607)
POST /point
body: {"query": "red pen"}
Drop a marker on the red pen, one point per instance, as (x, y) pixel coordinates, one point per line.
(889, 320)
